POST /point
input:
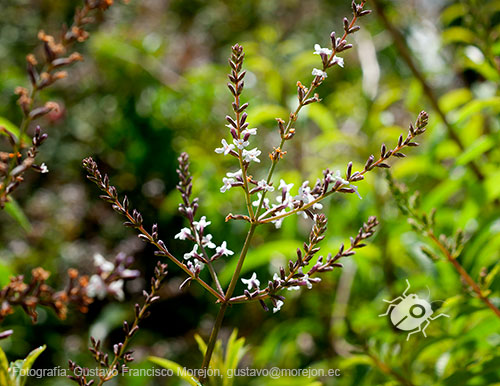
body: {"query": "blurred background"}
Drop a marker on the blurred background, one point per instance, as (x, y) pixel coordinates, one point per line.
(153, 84)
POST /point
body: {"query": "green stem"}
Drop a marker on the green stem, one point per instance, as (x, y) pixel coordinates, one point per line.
(220, 316)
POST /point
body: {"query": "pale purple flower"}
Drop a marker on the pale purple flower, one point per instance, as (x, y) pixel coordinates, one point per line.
(207, 242)
(320, 73)
(202, 224)
(222, 250)
(251, 155)
(226, 148)
(196, 267)
(253, 282)
(183, 234)
(191, 254)
(240, 143)
(103, 264)
(338, 60)
(97, 287)
(116, 289)
(279, 304)
(227, 184)
(318, 50)
(265, 186)
(249, 131)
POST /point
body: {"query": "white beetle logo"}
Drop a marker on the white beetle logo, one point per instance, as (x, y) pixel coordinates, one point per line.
(410, 313)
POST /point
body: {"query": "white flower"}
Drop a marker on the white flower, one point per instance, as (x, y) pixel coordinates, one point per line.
(279, 304)
(96, 287)
(227, 184)
(235, 174)
(265, 186)
(277, 223)
(277, 278)
(251, 155)
(44, 168)
(253, 282)
(183, 234)
(207, 241)
(318, 50)
(202, 224)
(222, 250)
(103, 264)
(197, 266)
(308, 282)
(226, 148)
(317, 72)
(337, 177)
(259, 197)
(284, 185)
(116, 288)
(240, 143)
(249, 131)
(338, 60)
(293, 288)
(191, 254)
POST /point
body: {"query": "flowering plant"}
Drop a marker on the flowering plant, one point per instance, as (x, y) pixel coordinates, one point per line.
(302, 271)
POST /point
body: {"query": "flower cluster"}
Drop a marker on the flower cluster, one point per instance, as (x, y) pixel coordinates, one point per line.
(37, 292)
(42, 73)
(110, 276)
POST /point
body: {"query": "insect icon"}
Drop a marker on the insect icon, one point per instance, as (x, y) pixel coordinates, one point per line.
(409, 312)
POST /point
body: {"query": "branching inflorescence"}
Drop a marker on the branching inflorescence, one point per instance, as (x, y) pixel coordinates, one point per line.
(42, 73)
(305, 268)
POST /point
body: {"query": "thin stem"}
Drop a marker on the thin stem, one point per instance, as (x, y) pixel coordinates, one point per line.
(463, 273)
(220, 316)
(141, 229)
(429, 92)
(387, 370)
(294, 115)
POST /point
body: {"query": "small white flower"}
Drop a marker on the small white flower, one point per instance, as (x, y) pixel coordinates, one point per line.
(277, 278)
(338, 60)
(207, 242)
(308, 282)
(96, 287)
(44, 168)
(116, 288)
(202, 224)
(251, 155)
(338, 177)
(249, 131)
(195, 267)
(317, 72)
(293, 288)
(253, 282)
(265, 186)
(227, 184)
(103, 264)
(183, 234)
(226, 148)
(191, 254)
(222, 250)
(279, 304)
(240, 143)
(318, 50)
(259, 197)
(235, 174)
(277, 223)
(284, 185)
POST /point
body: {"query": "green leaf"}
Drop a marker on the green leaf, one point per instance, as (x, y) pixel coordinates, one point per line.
(4, 369)
(27, 363)
(480, 146)
(455, 98)
(201, 344)
(176, 368)
(16, 212)
(9, 126)
(458, 35)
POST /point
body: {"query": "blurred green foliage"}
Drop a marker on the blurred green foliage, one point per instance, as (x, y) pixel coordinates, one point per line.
(153, 84)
